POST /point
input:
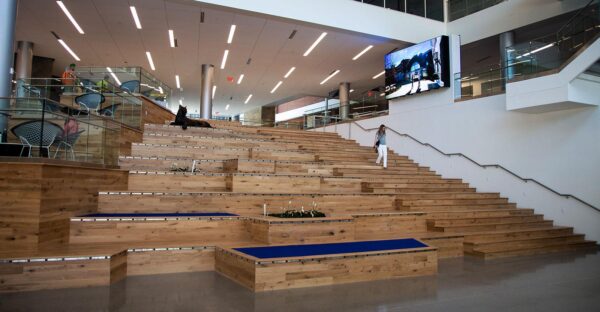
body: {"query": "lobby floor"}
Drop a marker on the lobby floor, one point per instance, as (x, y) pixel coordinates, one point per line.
(555, 282)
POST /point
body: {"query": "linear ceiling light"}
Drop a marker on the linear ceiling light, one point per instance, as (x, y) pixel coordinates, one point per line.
(362, 52)
(177, 82)
(231, 33)
(351, 90)
(69, 16)
(276, 86)
(171, 38)
(240, 79)
(379, 75)
(65, 46)
(315, 44)
(248, 99)
(214, 92)
(289, 72)
(224, 59)
(330, 76)
(181, 102)
(150, 61)
(113, 75)
(227, 107)
(136, 19)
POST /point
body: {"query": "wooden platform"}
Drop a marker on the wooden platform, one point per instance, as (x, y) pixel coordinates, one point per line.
(264, 274)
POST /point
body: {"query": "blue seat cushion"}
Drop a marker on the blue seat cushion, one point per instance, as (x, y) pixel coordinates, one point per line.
(290, 251)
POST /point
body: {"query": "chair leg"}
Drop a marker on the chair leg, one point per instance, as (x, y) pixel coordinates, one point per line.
(57, 149)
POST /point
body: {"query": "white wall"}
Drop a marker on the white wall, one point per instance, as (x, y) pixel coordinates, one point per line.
(509, 15)
(345, 14)
(559, 149)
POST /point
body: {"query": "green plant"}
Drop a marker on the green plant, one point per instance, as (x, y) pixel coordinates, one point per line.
(298, 214)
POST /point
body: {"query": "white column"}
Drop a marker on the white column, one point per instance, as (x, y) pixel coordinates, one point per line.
(8, 14)
(208, 72)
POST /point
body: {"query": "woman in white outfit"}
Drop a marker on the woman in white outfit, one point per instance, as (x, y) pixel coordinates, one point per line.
(381, 146)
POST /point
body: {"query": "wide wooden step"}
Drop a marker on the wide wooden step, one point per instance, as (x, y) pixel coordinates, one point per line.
(478, 213)
(523, 243)
(482, 220)
(448, 195)
(456, 207)
(492, 226)
(415, 203)
(542, 248)
(516, 234)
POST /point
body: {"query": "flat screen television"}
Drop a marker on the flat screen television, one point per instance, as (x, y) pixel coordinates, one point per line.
(422, 67)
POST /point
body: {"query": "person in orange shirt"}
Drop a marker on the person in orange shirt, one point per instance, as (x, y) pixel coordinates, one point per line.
(68, 78)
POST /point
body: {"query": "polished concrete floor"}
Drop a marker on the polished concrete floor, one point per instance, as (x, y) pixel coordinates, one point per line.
(556, 282)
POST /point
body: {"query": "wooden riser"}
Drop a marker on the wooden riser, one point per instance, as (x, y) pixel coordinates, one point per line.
(478, 213)
(525, 244)
(415, 203)
(585, 245)
(492, 227)
(223, 142)
(173, 232)
(483, 220)
(178, 182)
(245, 204)
(218, 153)
(518, 234)
(448, 195)
(415, 190)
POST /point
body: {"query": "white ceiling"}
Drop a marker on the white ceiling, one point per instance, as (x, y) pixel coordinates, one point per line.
(111, 39)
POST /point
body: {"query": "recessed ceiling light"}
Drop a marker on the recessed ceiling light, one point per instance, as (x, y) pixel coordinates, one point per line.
(224, 59)
(69, 16)
(315, 44)
(240, 79)
(150, 61)
(276, 86)
(177, 82)
(248, 99)
(231, 33)
(227, 107)
(362, 52)
(330, 76)
(113, 75)
(171, 38)
(379, 75)
(181, 102)
(214, 91)
(136, 19)
(289, 72)
(351, 90)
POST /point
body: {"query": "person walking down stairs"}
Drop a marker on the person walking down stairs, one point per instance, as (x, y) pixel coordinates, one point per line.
(381, 146)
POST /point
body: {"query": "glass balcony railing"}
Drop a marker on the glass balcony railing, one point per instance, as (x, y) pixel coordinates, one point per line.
(80, 97)
(368, 106)
(462, 8)
(51, 130)
(432, 9)
(136, 80)
(552, 51)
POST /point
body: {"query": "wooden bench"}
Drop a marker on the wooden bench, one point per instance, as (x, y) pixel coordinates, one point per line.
(294, 266)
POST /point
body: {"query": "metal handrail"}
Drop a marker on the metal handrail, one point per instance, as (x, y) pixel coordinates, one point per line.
(483, 166)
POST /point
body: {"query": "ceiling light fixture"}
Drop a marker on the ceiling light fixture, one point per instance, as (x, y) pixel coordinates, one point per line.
(248, 99)
(224, 59)
(172, 38)
(289, 72)
(227, 107)
(240, 79)
(177, 82)
(150, 61)
(65, 46)
(351, 90)
(315, 44)
(276, 87)
(214, 92)
(69, 16)
(113, 75)
(379, 75)
(136, 19)
(362, 52)
(181, 102)
(330, 76)
(231, 33)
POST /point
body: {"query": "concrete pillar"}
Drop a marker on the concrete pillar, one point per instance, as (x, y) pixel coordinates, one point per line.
(208, 73)
(344, 100)
(507, 39)
(8, 15)
(23, 64)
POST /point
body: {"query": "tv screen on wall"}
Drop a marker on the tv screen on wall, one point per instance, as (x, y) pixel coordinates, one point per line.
(422, 67)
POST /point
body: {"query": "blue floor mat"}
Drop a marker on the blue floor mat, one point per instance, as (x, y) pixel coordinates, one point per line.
(290, 251)
(150, 215)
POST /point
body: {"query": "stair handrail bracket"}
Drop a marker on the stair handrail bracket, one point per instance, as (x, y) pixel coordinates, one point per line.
(484, 166)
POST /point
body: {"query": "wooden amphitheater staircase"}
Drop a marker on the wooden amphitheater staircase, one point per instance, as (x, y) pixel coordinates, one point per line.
(241, 170)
